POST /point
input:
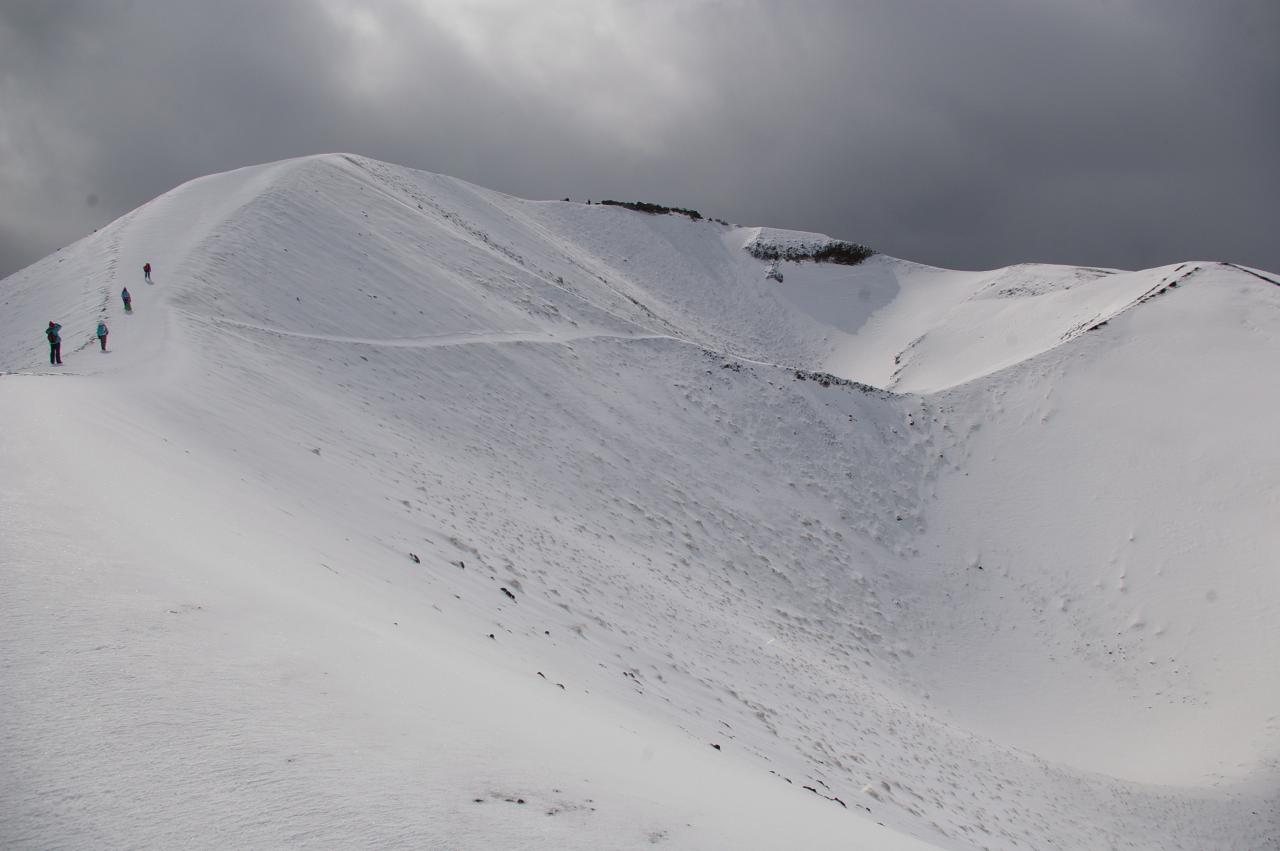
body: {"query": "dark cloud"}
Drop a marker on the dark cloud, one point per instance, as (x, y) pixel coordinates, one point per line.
(1107, 132)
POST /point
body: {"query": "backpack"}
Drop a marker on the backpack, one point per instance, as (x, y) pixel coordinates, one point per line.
(52, 335)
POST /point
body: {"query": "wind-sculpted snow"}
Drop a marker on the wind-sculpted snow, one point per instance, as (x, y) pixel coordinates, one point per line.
(404, 513)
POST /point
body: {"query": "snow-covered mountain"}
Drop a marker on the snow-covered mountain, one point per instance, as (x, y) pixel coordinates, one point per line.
(404, 513)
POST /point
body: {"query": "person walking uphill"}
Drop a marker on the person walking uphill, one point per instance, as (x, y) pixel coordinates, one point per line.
(128, 300)
(102, 334)
(55, 343)
(146, 272)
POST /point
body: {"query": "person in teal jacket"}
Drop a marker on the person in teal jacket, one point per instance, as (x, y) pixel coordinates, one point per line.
(102, 334)
(128, 300)
(52, 333)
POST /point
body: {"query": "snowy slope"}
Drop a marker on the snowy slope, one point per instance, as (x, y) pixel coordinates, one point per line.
(1023, 601)
(1122, 487)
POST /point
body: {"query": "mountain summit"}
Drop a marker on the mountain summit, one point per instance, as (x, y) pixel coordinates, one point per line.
(404, 513)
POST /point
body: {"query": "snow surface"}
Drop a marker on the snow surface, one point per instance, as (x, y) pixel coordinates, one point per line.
(1025, 600)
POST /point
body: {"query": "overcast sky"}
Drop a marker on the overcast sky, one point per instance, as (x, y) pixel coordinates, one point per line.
(962, 133)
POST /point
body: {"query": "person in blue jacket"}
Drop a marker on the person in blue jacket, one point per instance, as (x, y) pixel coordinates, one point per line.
(128, 300)
(55, 342)
(102, 333)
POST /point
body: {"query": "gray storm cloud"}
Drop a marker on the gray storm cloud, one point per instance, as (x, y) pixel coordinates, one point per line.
(961, 134)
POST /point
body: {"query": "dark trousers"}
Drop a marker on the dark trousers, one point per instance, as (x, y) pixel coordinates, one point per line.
(55, 352)
(103, 340)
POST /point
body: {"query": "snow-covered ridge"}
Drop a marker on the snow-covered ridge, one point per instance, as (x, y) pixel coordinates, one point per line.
(874, 322)
(399, 502)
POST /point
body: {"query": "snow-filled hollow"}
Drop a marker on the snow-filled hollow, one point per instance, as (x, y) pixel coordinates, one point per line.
(404, 513)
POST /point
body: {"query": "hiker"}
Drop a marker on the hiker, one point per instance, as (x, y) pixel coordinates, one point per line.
(102, 334)
(128, 300)
(146, 272)
(55, 343)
